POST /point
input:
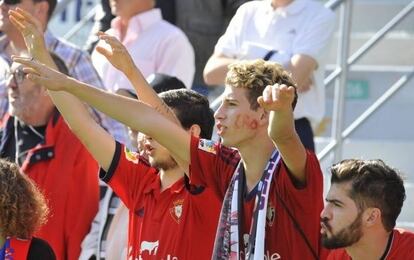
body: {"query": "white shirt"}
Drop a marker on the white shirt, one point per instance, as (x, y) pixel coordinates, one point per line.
(302, 27)
(155, 45)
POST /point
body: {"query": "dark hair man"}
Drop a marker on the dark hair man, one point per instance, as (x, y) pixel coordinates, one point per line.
(363, 204)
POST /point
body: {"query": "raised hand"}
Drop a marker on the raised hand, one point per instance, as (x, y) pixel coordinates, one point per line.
(116, 53)
(277, 97)
(31, 30)
(43, 75)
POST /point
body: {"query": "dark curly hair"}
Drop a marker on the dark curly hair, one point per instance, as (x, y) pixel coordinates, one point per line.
(255, 75)
(23, 207)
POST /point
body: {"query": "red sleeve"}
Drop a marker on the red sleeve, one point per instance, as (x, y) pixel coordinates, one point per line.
(305, 203)
(306, 198)
(128, 175)
(212, 165)
(82, 203)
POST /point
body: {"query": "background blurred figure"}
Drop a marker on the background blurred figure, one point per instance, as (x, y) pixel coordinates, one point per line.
(23, 210)
(203, 22)
(155, 45)
(109, 231)
(36, 137)
(293, 33)
(362, 207)
(103, 18)
(77, 61)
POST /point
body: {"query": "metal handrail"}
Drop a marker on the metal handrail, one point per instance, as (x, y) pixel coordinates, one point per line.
(333, 4)
(372, 41)
(342, 69)
(368, 112)
(340, 86)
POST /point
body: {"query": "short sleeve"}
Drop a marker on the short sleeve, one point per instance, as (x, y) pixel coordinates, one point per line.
(40, 249)
(316, 36)
(229, 43)
(212, 165)
(309, 197)
(128, 175)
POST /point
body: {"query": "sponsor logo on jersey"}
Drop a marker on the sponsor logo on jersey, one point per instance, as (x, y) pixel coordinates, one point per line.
(131, 156)
(270, 214)
(150, 247)
(207, 145)
(176, 210)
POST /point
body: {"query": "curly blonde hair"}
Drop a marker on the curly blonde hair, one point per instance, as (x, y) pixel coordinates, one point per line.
(23, 207)
(255, 75)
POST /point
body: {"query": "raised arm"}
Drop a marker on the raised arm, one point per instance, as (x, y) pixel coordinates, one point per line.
(278, 100)
(136, 114)
(118, 56)
(98, 142)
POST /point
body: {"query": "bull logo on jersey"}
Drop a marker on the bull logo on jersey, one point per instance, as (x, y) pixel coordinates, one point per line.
(131, 156)
(270, 214)
(177, 210)
(150, 247)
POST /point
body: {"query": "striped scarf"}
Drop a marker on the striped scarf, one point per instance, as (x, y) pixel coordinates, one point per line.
(229, 241)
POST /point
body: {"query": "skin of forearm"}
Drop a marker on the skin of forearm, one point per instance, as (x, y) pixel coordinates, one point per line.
(282, 132)
(216, 69)
(302, 66)
(136, 115)
(147, 94)
(73, 110)
(281, 126)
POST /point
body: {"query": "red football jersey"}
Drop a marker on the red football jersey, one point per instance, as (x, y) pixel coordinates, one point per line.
(401, 248)
(177, 223)
(213, 165)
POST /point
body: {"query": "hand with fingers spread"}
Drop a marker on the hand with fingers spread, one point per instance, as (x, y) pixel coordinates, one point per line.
(116, 53)
(31, 30)
(277, 98)
(43, 75)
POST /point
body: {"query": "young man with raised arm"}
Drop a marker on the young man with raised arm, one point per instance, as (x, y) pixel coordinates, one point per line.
(167, 215)
(282, 194)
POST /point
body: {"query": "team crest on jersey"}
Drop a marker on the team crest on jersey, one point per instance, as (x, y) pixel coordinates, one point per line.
(207, 145)
(270, 214)
(131, 156)
(177, 210)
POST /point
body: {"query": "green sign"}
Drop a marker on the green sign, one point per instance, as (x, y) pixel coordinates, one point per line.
(357, 89)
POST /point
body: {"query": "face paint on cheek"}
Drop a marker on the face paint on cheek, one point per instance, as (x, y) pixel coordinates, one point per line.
(253, 124)
(238, 123)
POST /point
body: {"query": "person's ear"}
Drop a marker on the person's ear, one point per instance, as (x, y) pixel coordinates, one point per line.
(195, 130)
(264, 117)
(372, 216)
(41, 10)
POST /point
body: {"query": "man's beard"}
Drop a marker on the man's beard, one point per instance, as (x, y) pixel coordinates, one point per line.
(345, 237)
(165, 165)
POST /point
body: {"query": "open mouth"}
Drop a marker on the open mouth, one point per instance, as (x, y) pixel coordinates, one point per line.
(149, 150)
(220, 129)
